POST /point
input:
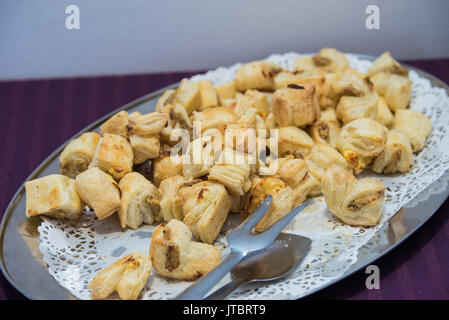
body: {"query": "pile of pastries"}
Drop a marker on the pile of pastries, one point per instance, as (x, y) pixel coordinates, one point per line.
(332, 123)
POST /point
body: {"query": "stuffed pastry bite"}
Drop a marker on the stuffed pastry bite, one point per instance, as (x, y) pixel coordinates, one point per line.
(205, 207)
(396, 89)
(331, 60)
(361, 141)
(117, 124)
(128, 276)
(282, 200)
(256, 75)
(78, 154)
(139, 201)
(233, 171)
(326, 129)
(148, 124)
(167, 98)
(166, 166)
(355, 202)
(397, 155)
(350, 108)
(145, 147)
(175, 255)
(99, 191)
(214, 117)
(386, 63)
(189, 95)
(321, 157)
(296, 105)
(171, 207)
(225, 91)
(296, 174)
(54, 196)
(415, 125)
(384, 115)
(114, 155)
(294, 141)
(208, 94)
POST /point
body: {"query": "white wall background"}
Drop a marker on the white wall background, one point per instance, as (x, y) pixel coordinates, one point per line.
(137, 36)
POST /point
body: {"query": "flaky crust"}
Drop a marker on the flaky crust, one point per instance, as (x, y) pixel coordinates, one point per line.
(168, 204)
(127, 276)
(321, 157)
(397, 155)
(331, 60)
(188, 94)
(166, 166)
(114, 155)
(54, 195)
(208, 94)
(145, 147)
(294, 141)
(100, 192)
(256, 75)
(357, 203)
(78, 154)
(296, 105)
(117, 124)
(176, 256)
(282, 200)
(415, 125)
(139, 201)
(205, 206)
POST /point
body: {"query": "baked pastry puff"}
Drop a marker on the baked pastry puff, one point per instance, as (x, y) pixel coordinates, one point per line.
(326, 129)
(148, 124)
(294, 141)
(114, 155)
(99, 191)
(361, 141)
(321, 157)
(176, 256)
(117, 124)
(127, 276)
(78, 154)
(397, 155)
(54, 195)
(415, 125)
(296, 105)
(208, 94)
(357, 203)
(169, 204)
(386, 63)
(166, 166)
(331, 60)
(256, 75)
(225, 91)
(189, 95)
(139, 201)
(205, 207)
(282, 200)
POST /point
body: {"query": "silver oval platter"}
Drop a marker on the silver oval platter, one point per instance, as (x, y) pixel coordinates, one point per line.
(22, 264)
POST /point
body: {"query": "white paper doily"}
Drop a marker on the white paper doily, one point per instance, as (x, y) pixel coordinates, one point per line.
(76, 251)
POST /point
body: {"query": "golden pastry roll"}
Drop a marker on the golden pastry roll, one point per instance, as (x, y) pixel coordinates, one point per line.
(214, 117)
(78, 154)
(99, 191)
(351, 108)
(233, 171)
(167, 98)
(282, 200)
(357, 203)
(178, 119)
(294, 141)
(305, 67)
(295, 173)
(139, 201)
(117, 124)
(384, 114)
(321, 157)
(348, 83)
(145, 147)
(208, 94)
(325, 132)
(114, 155)
(128, 276)
(168, 189)
(258, 100)
(256, 75)
(397, 155)
(166, 166)
(225, 91)
(395, 88)
(386, 63)
(188, 94)
(205, 206)
(296, 105)
(148, 124)
(331, 60)
(54, 196)
(176, 256)
(361, 141)
(199, 158)
(415, 125)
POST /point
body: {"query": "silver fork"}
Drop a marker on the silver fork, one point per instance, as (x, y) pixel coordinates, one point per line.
(243, 242)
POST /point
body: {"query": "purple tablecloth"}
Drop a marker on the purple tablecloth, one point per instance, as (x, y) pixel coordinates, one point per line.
(38, 116)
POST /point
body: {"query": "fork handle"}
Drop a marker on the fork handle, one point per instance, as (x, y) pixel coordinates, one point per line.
(226, 290)
(199, 289)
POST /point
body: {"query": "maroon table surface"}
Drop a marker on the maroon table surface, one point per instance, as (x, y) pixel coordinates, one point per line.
(37, 116)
